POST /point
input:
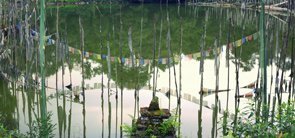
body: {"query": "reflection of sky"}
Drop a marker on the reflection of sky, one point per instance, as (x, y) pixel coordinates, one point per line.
(191, 78)
(94, 111)
(190, 85)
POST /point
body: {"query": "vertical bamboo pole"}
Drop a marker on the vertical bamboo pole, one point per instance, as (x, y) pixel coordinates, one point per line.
(292, 71)
(139, 64)
(116, 82)
(70, 112)
(169, 58)
(201, 71)
(42, 62)
(237, 99)
(214, 115)
(262, 61)
(121, 71)
(159, 48)
(154, 61)
(56, 60)
(83, 83)
(180, 75)
(102, 85)
(109, 79)
(227, 93)
(271, 62)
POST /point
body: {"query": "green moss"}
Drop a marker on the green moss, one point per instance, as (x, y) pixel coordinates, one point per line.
(157, 113)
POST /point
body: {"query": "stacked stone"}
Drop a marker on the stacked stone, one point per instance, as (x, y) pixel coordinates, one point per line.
(151, 118)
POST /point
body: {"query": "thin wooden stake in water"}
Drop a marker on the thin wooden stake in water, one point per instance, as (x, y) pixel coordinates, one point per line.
(180, 76)
(201, 71)
(56, 50)
(227, 93)
(215, 110)
(102, 83)
(154, 62)
(109, 61)
(109, 79)
(121, 70)
(116, 83)
(83, 88)
(169, 59)
(292, 71)
(271, 62)
(237, 91)
(159, 52)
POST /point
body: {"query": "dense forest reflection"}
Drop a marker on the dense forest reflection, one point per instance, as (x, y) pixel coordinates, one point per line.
(149, 25)
(115, 23)
(8, 106)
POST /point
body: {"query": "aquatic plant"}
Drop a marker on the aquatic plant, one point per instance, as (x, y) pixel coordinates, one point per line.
(129, 129)
(282, 126)
(40, 130)
(166, 128)
(169, 125)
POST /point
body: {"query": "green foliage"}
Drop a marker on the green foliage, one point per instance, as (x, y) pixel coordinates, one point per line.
(286, 120)
(249, 125)
(129, 130)
(169, 125)
(41, 128)
(224, 123)
(149, 131)
(166, 128)
(4, 133)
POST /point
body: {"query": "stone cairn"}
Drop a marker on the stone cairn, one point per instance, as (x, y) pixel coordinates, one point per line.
(151, 119)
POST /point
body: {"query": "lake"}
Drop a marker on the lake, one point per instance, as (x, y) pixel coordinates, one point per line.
(119, 55)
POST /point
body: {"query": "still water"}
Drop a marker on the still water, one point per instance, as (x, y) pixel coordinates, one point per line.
(142, 33)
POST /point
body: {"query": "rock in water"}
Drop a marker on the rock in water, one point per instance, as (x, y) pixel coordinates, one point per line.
(154, 105)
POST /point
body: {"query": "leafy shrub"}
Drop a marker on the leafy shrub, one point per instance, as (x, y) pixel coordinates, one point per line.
(38, 130)
(249, 125)
(166, 128)
(4, 133)
(169, 125)
(41, 130)
(129, 130)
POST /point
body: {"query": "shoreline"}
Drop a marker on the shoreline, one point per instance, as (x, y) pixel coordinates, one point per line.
(249, 6)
